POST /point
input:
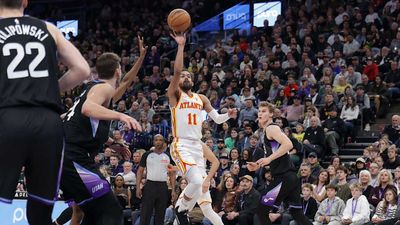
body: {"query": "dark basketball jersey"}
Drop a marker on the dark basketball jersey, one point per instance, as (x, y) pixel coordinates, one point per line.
(281, 164)
(84, 135)
(28, 64)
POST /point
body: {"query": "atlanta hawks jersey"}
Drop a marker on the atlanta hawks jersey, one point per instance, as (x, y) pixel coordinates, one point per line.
(187, 117)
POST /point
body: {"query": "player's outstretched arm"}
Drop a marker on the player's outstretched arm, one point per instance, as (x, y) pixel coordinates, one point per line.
(218, 118)
(132, 73)
(78, 68)
(100, 95)
(275, 133)
(173, 88)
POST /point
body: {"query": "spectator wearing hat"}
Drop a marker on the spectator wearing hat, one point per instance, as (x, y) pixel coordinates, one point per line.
(316, 98)
(223, 167)
(304, 87)
(219, 72)
(363, 103)
(371, 69)
(245, 205)
(312, 159)
(360, 165)
(275, 88)
(393, 160)
(247, 93)
(246, 62)
(334, 129)
(220, 150)
(305, 174)
(249, 112)
(329, 106)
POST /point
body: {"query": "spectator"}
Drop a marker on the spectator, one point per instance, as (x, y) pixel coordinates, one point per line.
(374, 170)
(393, 130)
(249, 112)
(305, 174)
(363, 103)
(396, 180)
(234, 156)
(310, 206)
(233, 140)
(385, 181)
(122, 193)
(365, 180)
(127, 174)
(393, 160)
(353, 77)
(371, 69)
(114, 165)
(349, 115)
(315, 166)
(319, 186)
(344, 192)
(294, 113)
(392, 80)
(330, 211)
(245, 205)
(386, 208)
(314, 138)
(291, 86)
(355, 211)
(328, 108)
(334, 129)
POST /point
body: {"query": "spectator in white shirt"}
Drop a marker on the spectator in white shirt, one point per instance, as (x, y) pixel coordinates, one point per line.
(129, 176)
(351, 46)
(357, 210)
(349, 114)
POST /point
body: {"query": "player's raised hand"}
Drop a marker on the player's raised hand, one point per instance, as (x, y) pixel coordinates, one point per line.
(232, 113)
(180, 38)
(252, 166)
(130, 122)
(142, 48)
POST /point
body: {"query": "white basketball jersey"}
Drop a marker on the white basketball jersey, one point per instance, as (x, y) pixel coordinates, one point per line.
(187, 117)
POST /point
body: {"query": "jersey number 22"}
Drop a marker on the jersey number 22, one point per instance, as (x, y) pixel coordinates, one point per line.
(21, 51)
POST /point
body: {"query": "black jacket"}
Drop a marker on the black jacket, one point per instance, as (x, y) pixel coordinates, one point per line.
(334, 124)
(315, 136)
(246, 204)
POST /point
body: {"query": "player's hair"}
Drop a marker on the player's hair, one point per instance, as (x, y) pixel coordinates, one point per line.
(106, 65)
(12, 4)
(271, 107)
(307, 185)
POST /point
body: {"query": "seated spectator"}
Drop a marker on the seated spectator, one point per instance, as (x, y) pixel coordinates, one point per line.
(371, 69)
(278, 115)
(349, 115)
(374, 170)
(144, 123)
(249, 112)
(319, 190)
(122, 193)
(392, 80)
(330, 210)
(334, 129)
(294, 113)
(393, 130)
(328, 107)
(305, 174)
(128, 175)
(393, 160)
(344, 191)
(275, 89)
(114, 165)
(363, 102)
(224, 165)
(386, 208)
(226, 198)
(311, 111)
(291, 86)
(332, 174)
(378, 94)
(356, 210)
(310, 205)
(245, 205)
(360, 165)
(234, 156)
(299, 134)
(316, 98)
(365, 180)
(246, 157)
(341, 86)
(385, 180)
(314, 138)
(313, 160)
(353, 77)
(232, 141)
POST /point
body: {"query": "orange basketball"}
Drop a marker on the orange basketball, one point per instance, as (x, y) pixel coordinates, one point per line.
(179, 20)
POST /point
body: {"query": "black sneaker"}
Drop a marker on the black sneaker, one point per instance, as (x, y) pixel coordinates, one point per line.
(182, 217)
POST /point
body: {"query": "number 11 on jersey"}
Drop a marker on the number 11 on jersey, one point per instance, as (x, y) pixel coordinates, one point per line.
(192, 119)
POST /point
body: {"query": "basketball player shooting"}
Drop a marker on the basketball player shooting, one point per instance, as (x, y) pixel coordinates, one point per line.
(186, 148)
(283, 188)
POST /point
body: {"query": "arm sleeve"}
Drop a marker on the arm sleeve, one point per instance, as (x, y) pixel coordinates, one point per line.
(218, 118)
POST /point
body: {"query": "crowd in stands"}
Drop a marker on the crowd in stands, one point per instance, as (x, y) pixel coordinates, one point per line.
(330, 67)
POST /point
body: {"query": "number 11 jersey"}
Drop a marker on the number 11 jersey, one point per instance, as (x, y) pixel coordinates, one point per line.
(187, 117)
(28, 64)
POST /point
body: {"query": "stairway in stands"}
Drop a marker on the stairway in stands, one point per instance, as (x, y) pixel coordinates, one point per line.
(351, 151)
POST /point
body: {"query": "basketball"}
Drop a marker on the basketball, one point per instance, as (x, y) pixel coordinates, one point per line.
(179, 20)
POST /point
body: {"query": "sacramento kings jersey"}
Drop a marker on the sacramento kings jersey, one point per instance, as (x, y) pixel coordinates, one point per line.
(187, 117)
(281, 164)
(28, 64)
(84, 135)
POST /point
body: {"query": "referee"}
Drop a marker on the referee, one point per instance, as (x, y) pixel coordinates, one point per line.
(155, 191)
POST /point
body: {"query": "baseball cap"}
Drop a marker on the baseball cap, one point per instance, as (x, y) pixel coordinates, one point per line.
(247, 177)
(360, 160)
(218, 65)
(369, 58)
(223, 156)
(220, 140)
(313, 154)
